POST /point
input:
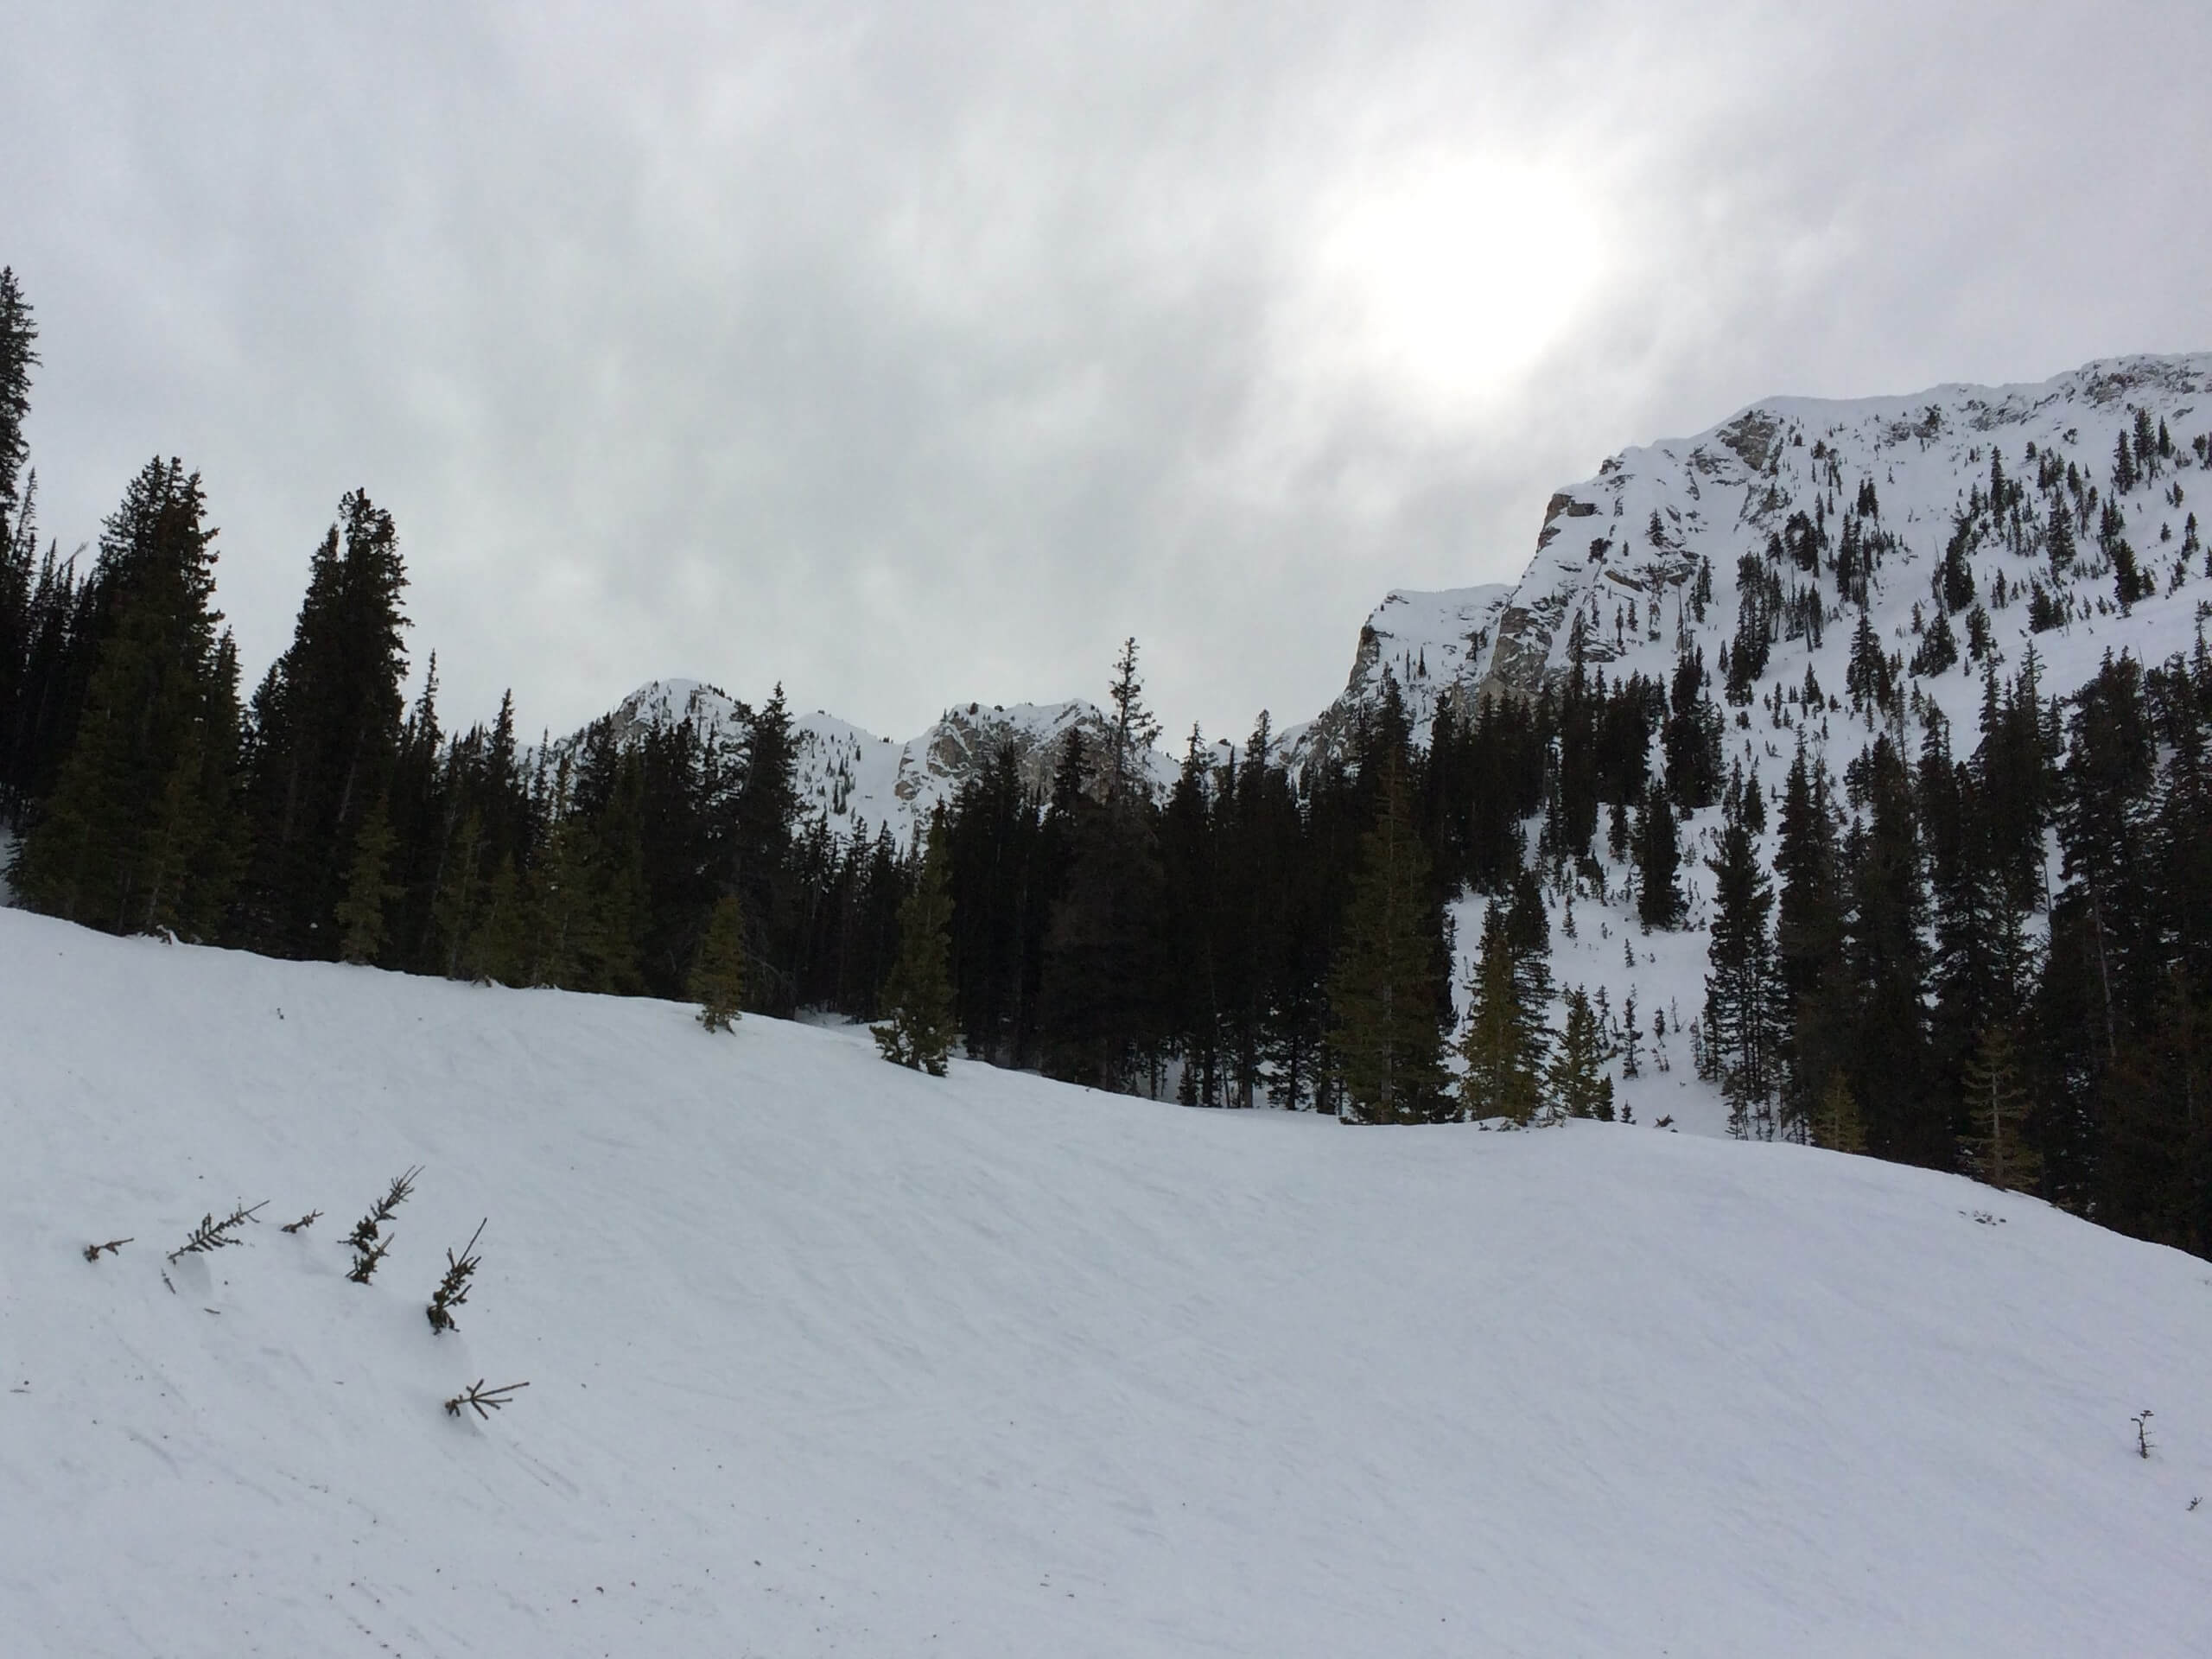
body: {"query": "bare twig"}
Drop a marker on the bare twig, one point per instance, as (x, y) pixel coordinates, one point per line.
(483, 1401)
(303, 1223)
(113, 1245)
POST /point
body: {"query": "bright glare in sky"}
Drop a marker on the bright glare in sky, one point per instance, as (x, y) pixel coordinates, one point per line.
(1450, 278)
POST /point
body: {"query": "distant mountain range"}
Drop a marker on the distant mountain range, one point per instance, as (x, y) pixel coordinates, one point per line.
(1649, 559)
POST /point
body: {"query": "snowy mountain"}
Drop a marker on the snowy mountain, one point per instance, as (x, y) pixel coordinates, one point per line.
(855, 779)
(828, 1356)
(1434, 645)
(1784, 481)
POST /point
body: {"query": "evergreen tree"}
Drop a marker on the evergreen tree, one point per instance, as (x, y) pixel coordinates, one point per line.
(1996, 1151)
(360, 914)
(138, 831)
(1743, 991)
(1887, 963)
(1658, 859)
(18, 336)
(1809, 940)
(1504, 1041)
(1579, 1085)
(1385, 988)
(1835, 1122)
(717, 984)
(326, 726)
(920, 1030)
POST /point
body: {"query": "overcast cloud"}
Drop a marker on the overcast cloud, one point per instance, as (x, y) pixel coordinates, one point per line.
(917, 354)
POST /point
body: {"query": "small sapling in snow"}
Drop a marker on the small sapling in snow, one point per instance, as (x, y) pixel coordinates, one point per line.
(214, 1234)
(369, 1244)
(452, 1288)
(2142, 1421)
(303, 1223)
(113, 1245)
(485, 1400)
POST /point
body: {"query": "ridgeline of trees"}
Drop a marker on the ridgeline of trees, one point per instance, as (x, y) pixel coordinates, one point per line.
(1903, 978)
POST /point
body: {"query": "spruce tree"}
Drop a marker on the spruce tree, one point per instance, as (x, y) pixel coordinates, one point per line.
(1577, 1082)
(18, 335)
(369, 891)
(1503, 1043)
(138, 831)
(327, 725)
(918, 993)
(1743, 990)
(1835, 1123)
(718, 975)
(1658, 861)
(1998, 1151)
(1384, 988)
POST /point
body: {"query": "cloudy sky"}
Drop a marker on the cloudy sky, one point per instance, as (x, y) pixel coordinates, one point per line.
(915, 355)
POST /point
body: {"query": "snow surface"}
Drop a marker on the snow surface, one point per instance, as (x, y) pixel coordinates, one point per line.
(828, 1357)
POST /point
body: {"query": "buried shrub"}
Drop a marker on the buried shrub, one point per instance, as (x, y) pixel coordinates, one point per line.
(452, 1288)
(368, 1241)
(214, 1234)
(483, 1401)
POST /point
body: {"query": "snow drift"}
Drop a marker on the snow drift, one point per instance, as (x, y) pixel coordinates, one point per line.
(825, 1356)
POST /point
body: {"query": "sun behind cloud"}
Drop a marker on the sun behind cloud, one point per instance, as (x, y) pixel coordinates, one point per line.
(1443, 280)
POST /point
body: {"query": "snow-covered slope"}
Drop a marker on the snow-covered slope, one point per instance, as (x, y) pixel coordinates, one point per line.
(1433, 644)
(828, 1357)
(855, 779)
(1722, 494)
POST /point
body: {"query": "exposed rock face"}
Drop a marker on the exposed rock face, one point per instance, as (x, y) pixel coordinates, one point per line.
(1432, 644)
(1623, 550)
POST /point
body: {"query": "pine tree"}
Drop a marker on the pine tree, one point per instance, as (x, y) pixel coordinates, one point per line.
(1579, 1084)
(718, 975)
(137, 832)
(1505, 1041)
(1836, 1123)
(1385, 988)
(918, 993)
(327, 724)
(1996, 1150)
(1743, 991)
(17, 358)
(369, 891)
(1658, 858)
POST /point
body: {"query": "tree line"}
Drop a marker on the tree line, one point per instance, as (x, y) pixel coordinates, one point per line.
(1900, 976)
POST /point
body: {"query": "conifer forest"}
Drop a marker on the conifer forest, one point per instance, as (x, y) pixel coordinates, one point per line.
(1980, 944)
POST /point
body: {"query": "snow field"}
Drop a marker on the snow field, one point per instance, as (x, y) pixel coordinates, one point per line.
(828, 1357)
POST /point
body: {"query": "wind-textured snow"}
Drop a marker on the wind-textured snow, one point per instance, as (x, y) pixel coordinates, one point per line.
(828, 1357)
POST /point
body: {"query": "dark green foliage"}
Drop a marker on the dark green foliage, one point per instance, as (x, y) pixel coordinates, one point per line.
(1996, 1150)
(1576, 1076)
(1744, 989)
(918, 993)
(18, 356)
(1505, 1040)
(140, 831)
(1385, 988)
(360, 914)
(327, 730)
(1657, 850)
(718, 977)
